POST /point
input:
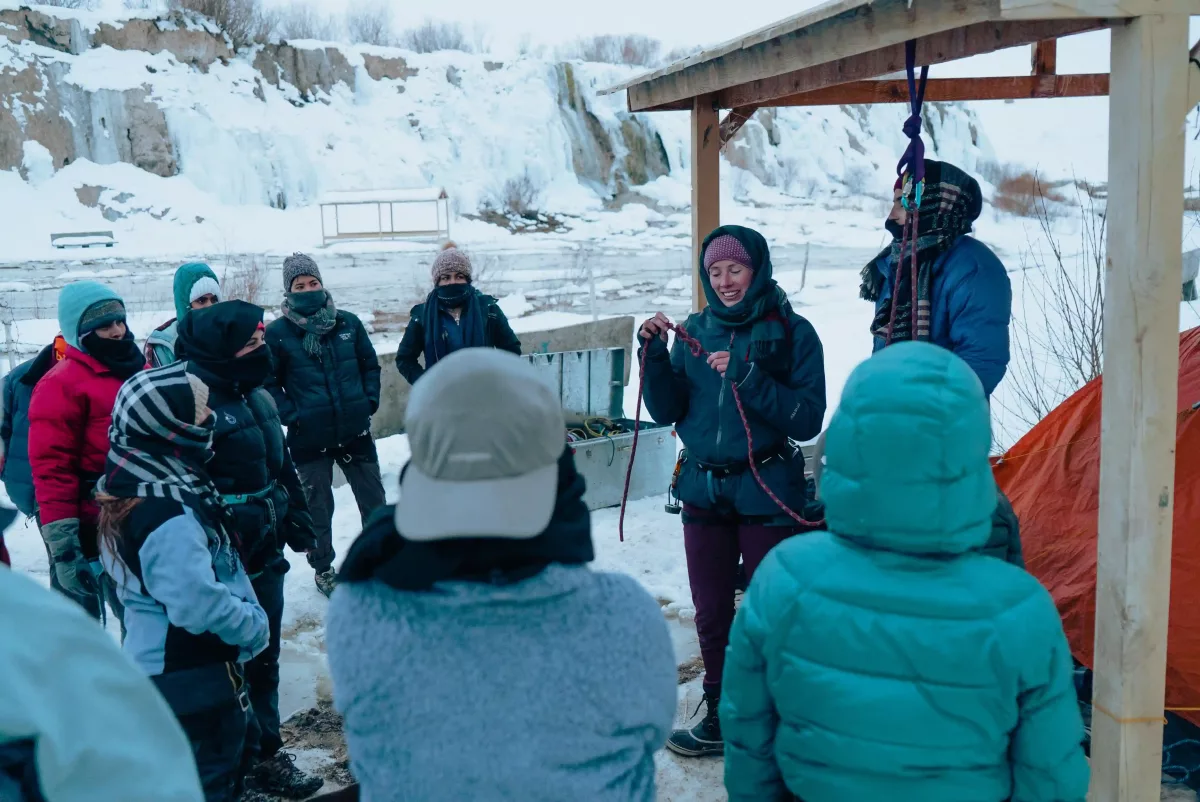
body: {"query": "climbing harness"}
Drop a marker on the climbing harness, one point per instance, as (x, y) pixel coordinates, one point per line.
(698, 351)
(911, 170)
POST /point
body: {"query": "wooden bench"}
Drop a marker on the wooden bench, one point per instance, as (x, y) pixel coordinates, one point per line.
(83, 239)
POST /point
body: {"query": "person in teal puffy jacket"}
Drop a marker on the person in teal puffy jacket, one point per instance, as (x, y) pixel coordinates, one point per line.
(890, 658)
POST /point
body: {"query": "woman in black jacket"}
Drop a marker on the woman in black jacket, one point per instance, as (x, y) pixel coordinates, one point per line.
(325, 382)
(454, 316)
(223, 346)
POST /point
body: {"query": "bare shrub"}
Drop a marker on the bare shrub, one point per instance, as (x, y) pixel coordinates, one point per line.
(520, 194)
(1020, 191)
(245, 279)
(1058, 336)
(138, 5)
(631, 49)
(304, 21)
(432, 37)
(370, 24)
(87, 5)
(244, 21)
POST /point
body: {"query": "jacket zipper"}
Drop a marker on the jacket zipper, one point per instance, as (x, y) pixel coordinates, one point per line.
(721, 396)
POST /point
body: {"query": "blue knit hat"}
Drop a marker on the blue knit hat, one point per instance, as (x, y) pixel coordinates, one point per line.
(84, 306)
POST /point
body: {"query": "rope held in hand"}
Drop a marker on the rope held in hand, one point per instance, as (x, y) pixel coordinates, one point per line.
(698, 351)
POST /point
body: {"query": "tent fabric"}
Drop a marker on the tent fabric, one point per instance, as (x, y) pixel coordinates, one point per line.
(1052, 477)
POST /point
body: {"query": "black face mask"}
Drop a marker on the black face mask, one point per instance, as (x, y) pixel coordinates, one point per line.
(894, 228)
(453, 295)
(250, 370)
(123, 357)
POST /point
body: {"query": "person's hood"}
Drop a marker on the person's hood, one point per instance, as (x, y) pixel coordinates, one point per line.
(185, 278)
(760, 257)
(47, 358)
(216, 333)
(906, 455)
(555, 582)
(74, 300)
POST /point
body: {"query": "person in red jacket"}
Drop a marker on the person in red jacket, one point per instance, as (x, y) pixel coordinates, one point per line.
(69, 417)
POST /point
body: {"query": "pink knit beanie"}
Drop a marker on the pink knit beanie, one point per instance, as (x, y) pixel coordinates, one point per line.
(727, 247)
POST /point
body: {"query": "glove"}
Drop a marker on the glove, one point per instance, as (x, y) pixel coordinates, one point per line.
(71, 568)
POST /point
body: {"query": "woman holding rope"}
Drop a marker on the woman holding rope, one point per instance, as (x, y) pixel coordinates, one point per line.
(751, 340)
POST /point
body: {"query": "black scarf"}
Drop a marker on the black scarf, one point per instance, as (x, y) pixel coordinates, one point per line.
(765, 307)
(471, 321)
(950, 204)
(209, 339)
(124, 357)
(383, 553)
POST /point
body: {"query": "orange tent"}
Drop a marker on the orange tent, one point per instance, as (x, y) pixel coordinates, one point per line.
(1052, 476)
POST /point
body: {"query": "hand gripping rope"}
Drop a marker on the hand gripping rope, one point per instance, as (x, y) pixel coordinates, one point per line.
(698, 351)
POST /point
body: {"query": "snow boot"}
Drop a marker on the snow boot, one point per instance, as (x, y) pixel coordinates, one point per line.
(326, 582)
(704, 739)
(278, 775)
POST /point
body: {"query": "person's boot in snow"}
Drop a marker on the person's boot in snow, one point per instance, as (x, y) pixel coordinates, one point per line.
(278, 775)
(704, 739)
(326, 581)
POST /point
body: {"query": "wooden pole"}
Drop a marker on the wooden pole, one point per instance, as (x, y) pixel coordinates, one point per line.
(1141, 373)
(706, 183)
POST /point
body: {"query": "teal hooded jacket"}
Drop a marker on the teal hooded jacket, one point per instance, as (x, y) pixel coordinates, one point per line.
(889, 658)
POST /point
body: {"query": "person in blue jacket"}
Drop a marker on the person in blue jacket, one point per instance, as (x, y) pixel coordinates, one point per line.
(891, 658)
(964, 298)
(773, 356)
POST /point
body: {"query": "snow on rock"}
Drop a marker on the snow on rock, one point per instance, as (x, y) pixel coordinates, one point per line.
(37, 164)
(515, 305)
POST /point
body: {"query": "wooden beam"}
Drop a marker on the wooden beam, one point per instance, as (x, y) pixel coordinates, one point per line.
(706, 184)
(938, 48)
(1045, 57)
(1139, 405)
(734, 121)
(954, 89)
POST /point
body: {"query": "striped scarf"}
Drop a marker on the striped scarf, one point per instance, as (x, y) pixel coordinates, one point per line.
(951, 203)
(157, 448)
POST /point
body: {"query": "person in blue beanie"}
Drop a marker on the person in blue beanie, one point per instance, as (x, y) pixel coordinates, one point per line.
(195, 287)
(964, 297)
(889, 658)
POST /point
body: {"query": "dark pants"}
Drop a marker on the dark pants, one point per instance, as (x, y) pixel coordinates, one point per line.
(713, 542)
(212, 708)
(263, 740)
(317, 478)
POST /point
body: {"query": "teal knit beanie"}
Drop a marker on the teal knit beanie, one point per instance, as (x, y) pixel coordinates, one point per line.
(99, 304)
(187, 279)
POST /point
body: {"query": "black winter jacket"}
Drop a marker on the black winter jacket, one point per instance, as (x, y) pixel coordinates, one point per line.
(782, 401)
(17, 473)
(250, 456)
(328, 402)
(497, 333)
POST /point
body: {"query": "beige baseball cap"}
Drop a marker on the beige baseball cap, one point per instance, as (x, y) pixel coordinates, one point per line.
(486, 436)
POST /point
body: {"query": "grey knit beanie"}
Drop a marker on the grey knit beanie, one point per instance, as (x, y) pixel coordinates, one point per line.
(450, 261)
(299, 264)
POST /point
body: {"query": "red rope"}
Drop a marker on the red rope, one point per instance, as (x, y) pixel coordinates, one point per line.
(698, 351)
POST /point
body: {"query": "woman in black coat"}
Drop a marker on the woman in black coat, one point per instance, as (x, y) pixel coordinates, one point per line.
(454, 316)
(224, 346)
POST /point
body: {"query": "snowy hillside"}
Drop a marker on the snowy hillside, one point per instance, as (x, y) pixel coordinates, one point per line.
(159, 130)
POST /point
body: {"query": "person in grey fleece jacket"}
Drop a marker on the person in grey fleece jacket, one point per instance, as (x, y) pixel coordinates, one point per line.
(474, 654)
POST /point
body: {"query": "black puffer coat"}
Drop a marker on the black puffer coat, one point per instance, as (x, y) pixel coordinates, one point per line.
(250, 456)
(328, 402)
(497, 333)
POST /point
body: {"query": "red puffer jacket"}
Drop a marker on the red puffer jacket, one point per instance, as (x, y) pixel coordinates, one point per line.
(69, 417)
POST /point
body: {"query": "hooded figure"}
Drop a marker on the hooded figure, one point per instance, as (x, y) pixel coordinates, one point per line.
(69, 417)
(889, 658)
(325, 382)
(195, 287)
(14, 429)
(483, 561)
(87, 728)
(223, 346)
(963, 295)
(167, 540)
(454, 316)
(774, 357)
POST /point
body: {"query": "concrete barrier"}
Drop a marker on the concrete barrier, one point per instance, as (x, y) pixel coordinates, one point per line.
(609, 333)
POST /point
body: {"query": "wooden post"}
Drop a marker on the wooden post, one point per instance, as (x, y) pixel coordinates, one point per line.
(706, 183)
(1141, 373)
(1045, 57)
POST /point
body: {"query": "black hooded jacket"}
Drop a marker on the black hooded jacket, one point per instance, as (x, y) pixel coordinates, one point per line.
(250, 466)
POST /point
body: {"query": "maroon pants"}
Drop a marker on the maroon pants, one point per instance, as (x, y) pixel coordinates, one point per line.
(713, 543)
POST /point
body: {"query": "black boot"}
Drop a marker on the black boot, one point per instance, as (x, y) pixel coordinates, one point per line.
(278, 775)
(704, 739)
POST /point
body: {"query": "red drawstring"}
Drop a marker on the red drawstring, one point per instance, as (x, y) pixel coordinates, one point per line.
(698, 351)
